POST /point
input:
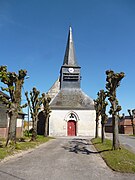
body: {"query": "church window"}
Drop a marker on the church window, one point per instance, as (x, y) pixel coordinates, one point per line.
(72, 115)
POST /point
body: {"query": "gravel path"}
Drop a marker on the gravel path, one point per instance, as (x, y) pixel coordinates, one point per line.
(60, 159)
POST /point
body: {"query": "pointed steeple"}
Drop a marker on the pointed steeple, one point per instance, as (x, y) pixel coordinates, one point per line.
(69, 58)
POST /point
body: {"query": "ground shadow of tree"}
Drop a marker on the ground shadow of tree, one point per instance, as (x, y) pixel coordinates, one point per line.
(82, 146)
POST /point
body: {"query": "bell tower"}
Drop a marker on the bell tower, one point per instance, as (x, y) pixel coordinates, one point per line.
(70, 71)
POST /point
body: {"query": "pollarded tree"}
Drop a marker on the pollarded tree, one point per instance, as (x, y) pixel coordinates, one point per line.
(103, 103)
(98, 113)
(14, 83)
(132, 116)
(34, 103)
(46, 111)
(113, 81)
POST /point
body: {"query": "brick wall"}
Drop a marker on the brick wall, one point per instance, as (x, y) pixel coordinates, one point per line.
(3, 132)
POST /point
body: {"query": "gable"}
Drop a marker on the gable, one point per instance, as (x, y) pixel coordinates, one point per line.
(54, 89)
(72, 99)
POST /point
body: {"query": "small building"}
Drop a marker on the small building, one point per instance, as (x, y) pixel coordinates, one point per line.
(4, 120)
(73, 112)
(3, 117)
(125, 125)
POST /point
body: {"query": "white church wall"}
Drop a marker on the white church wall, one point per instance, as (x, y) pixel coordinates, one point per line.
(85, 122)
(57, 124)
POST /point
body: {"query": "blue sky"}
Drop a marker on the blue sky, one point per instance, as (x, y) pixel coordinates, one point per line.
(33, 36)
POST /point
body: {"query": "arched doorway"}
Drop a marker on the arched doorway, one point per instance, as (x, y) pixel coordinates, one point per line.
(71, 128)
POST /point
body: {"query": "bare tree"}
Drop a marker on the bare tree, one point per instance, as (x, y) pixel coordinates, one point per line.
(132, 116)
(103, 104)
(34, 103)
(113, 81)
(98, 113)
(100, 106)
(46, 111)
(14, 84)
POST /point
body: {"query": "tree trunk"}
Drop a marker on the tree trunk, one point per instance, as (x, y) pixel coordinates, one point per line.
(34, 131)
(13, 115)
(12, 127)
(116, 143)
(18, 89)
(46, 125)
(96, 133)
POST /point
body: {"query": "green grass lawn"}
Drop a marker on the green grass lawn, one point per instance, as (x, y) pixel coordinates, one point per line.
(132, 135)
(119, 160)
(20, 145)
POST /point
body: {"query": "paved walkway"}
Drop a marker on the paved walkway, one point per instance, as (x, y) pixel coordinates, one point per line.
(60, 159)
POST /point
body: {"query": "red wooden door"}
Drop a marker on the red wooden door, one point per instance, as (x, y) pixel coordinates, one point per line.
(71, 128)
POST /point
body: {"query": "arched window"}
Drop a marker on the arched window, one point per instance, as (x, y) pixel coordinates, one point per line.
(71, 116)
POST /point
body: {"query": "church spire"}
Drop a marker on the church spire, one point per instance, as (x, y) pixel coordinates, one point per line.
(69, 58)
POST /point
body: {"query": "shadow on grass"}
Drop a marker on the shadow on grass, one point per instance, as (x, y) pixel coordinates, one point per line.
(83, 146)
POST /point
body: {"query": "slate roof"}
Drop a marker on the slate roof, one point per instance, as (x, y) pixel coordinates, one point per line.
(70, 58)
(72, 99)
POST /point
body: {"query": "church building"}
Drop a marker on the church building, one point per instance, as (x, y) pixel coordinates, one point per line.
(73, 112)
